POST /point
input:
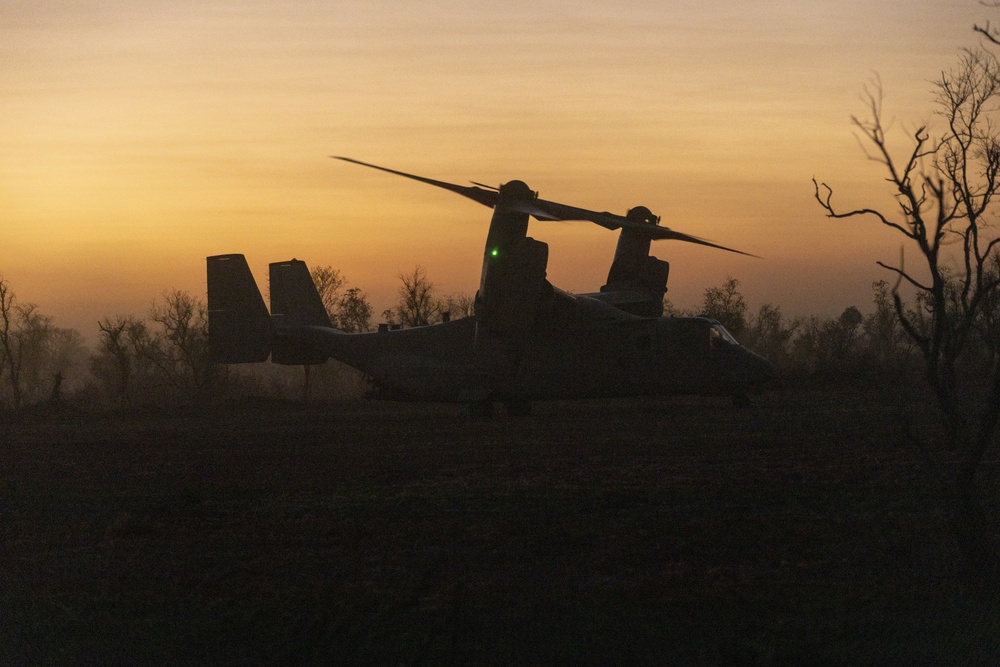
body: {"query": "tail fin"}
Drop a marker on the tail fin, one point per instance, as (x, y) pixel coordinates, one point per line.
(239, 326)
(294, 299)
(295, 302)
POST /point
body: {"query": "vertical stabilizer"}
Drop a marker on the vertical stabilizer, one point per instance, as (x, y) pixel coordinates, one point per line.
(295, 303)
(239, 326)
(294, 299)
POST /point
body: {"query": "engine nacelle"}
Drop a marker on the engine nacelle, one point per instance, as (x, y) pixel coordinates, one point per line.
(635, 271)
(513, 285)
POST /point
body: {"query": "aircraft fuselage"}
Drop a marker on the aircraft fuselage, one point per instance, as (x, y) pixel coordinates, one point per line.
(579, 348)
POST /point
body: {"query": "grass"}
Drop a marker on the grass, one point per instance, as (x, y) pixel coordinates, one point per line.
(645, 531)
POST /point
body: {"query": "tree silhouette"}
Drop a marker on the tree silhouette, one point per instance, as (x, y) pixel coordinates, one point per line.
(35, 355)
(726, 305)
(24, 336)
(329, 281)
(180, 348)
(416, 306)
(349, 311)
(354, 313)
(122, 344)
(944, 189)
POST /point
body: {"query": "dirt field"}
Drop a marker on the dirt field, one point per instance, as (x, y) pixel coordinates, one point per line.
(653, 531)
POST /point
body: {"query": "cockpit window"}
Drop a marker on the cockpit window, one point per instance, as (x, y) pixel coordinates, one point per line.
(719, 335)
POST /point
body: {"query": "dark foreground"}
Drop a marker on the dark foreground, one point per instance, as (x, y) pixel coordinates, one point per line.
(666, 531)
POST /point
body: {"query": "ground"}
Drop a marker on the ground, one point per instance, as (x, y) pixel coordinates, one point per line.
(801, 529)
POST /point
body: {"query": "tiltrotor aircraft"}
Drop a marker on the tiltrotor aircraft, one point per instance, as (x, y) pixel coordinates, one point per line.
(527, 340)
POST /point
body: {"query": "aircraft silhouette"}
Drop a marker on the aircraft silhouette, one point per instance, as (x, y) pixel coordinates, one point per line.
(527, 340)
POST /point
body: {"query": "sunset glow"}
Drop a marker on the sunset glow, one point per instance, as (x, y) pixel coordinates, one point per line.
(139, 137)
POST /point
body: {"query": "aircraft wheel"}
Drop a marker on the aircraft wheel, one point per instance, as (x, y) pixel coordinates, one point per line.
(518, 408)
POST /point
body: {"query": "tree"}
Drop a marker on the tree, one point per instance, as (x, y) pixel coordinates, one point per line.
(122, 345)
(416, 306)
(726, 305)
(8, 361)
(354, 313)
(180, 348)
(840, 337)
(35, 355)
(944, 188)
(349, 311)
(456, 306)
(24, 333)
(162, 360)
(329, 282)
(768, 335)
(885, 341)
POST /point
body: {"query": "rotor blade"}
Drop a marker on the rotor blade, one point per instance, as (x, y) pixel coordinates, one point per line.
(612, 221)
(550, 210)
(666, 234)
(555, 211)
(544, 210)
(484, 197)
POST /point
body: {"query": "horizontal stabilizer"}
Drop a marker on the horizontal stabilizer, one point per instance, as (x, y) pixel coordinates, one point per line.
(239, 326)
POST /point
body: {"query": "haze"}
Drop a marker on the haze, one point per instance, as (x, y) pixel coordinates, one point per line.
(139, 137)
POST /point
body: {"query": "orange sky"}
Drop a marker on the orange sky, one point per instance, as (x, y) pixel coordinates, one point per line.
(137, 137)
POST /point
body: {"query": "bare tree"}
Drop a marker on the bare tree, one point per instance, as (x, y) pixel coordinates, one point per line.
(180, 348)
(122, 345)
(886, 344)
(944, 188)
(416, 306)
(349, 309)
(26, 344)
(165, 359)
(24, 334)
(456, 306)
(8, 365)
(329, 282)
(35, 355)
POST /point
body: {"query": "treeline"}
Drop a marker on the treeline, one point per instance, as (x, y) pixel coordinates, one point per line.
(35, 355)
(849, 346)
(161, 358)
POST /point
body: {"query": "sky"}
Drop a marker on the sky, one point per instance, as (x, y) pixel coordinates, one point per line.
(138, 137)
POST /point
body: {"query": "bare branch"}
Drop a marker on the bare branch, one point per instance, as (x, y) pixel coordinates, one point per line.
(826, 203)
(987, 31)
(903, 275)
